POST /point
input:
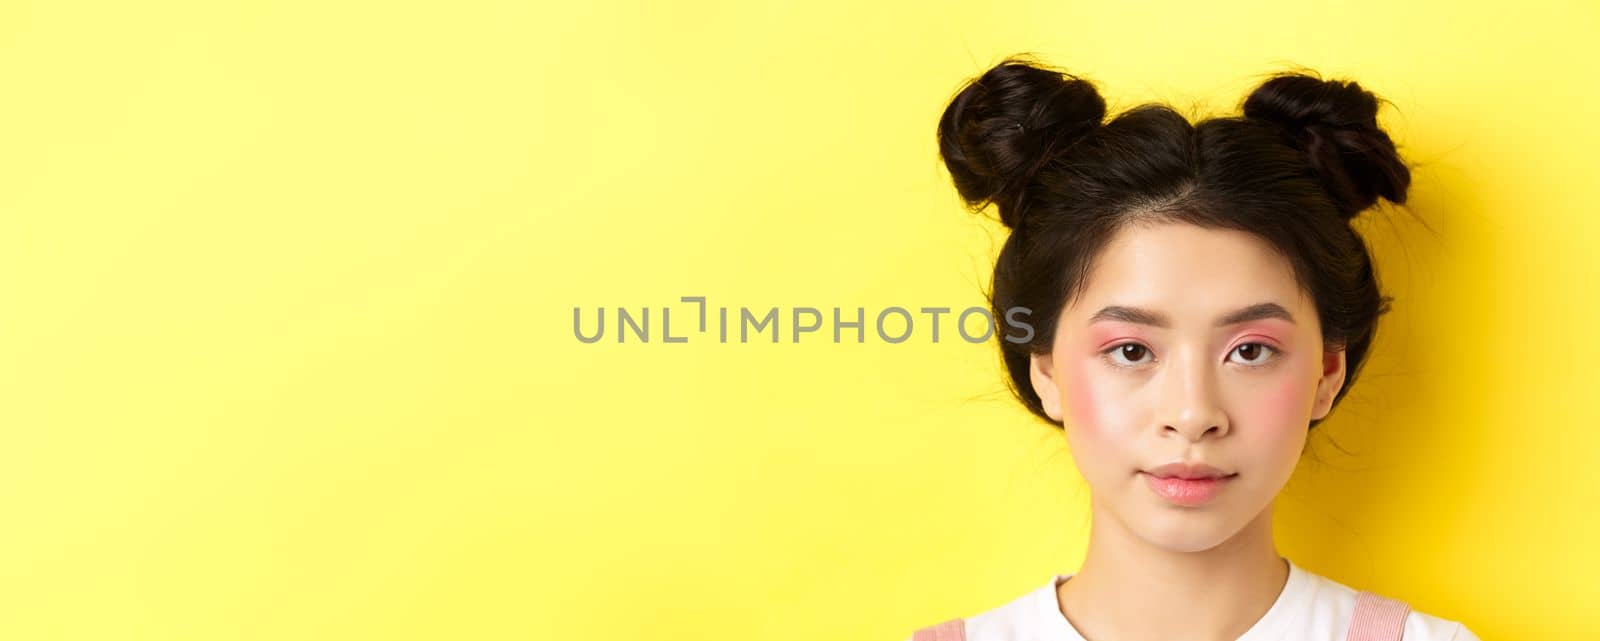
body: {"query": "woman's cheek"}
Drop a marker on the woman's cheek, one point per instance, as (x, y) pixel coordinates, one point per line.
(1085, 396)
(1100, 427)
(1283, 409)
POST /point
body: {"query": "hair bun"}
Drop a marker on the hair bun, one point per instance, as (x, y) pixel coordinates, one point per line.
(1335, 124)
(1008, 122)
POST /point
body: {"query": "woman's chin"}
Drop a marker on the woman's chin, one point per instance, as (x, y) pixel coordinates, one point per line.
(1187, 543)
(1188, 530)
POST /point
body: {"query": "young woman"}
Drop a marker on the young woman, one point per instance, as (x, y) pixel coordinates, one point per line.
(1197, 302)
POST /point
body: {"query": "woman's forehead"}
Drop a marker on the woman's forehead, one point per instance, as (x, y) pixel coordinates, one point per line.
(1188, 273)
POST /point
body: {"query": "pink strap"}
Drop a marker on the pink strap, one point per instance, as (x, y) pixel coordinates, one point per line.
(952, 630)
(1377, 618)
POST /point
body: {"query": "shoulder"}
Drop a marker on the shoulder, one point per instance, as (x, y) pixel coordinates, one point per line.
(1023, 617)
(1421, 626)
(1336, 602)
(1027, 616)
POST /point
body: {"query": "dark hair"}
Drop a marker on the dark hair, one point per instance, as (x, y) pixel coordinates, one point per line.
(1304, 158)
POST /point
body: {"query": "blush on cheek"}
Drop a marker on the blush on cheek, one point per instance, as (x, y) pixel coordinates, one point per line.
(1075, 400)
(1081, 399)
(1286, 404)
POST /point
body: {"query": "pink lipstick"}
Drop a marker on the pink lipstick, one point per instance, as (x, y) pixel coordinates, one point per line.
(1187, 484)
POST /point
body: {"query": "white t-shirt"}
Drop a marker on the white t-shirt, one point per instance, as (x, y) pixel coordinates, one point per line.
(1311, 607)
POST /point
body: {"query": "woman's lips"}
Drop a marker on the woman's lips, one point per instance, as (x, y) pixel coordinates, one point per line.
(1182, 491)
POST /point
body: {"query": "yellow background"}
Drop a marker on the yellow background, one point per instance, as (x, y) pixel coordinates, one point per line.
(287, 298)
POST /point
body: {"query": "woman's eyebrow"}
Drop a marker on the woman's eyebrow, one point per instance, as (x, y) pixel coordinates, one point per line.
(1146, 317)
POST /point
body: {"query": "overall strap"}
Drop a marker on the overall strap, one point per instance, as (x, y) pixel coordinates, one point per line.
(1377, 618)
(952, 630)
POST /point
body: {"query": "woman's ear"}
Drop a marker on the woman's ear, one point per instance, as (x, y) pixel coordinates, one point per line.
(1042, 373)
(1329, 383)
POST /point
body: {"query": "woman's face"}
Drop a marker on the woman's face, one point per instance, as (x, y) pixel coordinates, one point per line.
(1187, 346)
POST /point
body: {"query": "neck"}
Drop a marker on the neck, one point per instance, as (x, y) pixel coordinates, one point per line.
(1130, 590)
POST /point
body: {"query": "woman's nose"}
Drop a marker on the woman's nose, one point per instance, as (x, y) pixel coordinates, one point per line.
(1191, 406)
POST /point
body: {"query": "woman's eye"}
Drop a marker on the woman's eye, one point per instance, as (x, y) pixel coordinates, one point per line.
(1130, 351)
(1132, 354)
(1260, 354)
